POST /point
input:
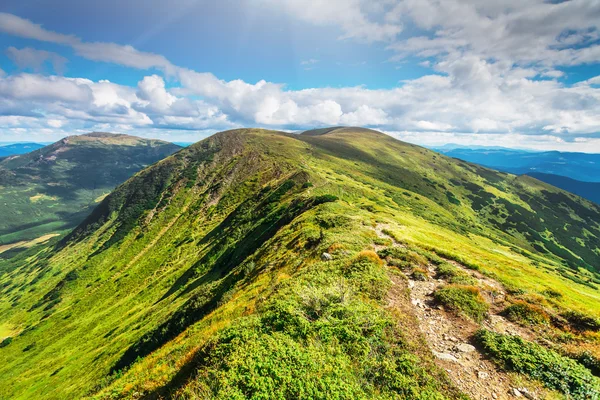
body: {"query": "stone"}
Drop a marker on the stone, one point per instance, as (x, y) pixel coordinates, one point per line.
(465, 348)
(326, 257)
(515, 392)
(483, 375)
(445, 356)
(527, 393)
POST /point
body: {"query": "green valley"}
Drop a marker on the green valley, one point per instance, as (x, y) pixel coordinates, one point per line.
(334, 264)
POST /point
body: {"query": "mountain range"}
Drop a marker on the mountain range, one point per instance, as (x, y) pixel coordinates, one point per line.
(52, 189)
(337, 263)
(18, 148)
(578, 173)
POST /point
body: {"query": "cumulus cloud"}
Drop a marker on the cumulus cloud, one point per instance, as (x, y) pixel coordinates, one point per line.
(496, 70)
(523, 32)
(28, 58)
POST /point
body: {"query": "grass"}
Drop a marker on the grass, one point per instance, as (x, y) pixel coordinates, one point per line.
(526, 313)
(465, 300)
(553, 370)
(199, 252)
(453, 274)
(58, 193)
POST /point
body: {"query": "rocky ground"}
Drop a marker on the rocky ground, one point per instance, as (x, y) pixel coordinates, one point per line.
(449, 337)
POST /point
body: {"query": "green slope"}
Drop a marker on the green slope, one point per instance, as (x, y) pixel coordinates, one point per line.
(203, 274)
(53, 188)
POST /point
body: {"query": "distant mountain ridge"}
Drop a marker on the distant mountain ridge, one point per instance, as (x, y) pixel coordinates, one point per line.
(53, 188)
(580, 166)
(18, 148)
(587, 190)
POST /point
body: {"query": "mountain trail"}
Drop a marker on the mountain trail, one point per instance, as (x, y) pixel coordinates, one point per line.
(449, 337)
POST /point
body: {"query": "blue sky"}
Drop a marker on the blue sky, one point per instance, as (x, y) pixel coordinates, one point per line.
(511, 73)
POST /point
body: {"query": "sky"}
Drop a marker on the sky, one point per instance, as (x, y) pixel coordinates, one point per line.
(512, 73)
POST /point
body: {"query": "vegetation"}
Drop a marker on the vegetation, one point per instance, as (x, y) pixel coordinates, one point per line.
(525, 313)
(553, 370)
(204, 274)
(453, 274)
(464, 300)
(52, 189)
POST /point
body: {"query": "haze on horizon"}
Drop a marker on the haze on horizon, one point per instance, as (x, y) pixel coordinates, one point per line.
(520, 74)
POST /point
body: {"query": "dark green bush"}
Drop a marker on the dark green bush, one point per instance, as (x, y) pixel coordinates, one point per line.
(6, 342)
(553, 370)
(402, 257)
(315, 340)
(464, 300)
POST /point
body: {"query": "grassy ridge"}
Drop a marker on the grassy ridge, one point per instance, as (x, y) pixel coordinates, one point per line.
(221, 244)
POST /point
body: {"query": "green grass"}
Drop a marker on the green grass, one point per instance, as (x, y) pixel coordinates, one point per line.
(464, 300)
(54, 188)
(553, 370)
(526, 314)
(200, 250)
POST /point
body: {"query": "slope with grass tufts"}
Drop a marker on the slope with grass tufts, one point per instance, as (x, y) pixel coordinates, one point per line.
(53, 188)
(203, 276)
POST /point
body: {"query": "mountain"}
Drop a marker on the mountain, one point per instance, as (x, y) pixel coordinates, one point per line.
(52, 189)
(18, 148)
(587, 190)
(578, 166)
(338, 263)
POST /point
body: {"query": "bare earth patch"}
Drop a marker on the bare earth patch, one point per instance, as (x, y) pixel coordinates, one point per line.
(449, 337)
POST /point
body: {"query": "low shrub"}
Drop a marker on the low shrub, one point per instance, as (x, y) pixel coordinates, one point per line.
(403, 258)
(552, 294)
(382, 241)
(463, 299)
(316, 339)
(547, 366)
(365, 269)
(580, 321)
(452, 274)
(590, 361)
(524, 313)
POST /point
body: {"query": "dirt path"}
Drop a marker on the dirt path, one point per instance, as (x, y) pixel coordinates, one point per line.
(450, 337)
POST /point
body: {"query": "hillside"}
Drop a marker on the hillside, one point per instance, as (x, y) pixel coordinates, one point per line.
(52, 189)
(339, 263)
(587, 190)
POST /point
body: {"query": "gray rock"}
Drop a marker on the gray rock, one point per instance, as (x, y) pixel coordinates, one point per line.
(326, 257)
(515, 392)
(445, 356)
(527, 393)
(465, 348)
(483, 375)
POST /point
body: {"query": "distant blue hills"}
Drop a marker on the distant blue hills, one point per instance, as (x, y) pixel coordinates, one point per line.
(577, 173)
(18, 148)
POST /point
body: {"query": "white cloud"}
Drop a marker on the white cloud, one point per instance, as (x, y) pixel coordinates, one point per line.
(31, 58)
(97, 51)
(17, 26)
(486, 60)
(355, 17)
(37, 87)
(523, 32)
